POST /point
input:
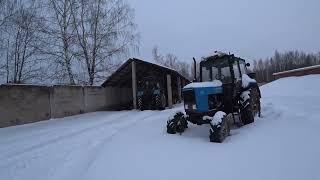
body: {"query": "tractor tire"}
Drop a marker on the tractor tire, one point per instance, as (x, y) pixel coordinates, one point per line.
(256, 101)
(139, 103)
(177, 124)
(218, 133)
(161, 102)
(247, 115)
(253, 108)
(171, 127)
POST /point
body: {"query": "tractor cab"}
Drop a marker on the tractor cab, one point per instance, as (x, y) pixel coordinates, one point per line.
(225, 90)
(220, 80)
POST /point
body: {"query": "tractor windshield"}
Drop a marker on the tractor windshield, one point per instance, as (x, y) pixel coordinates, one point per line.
(218, 69)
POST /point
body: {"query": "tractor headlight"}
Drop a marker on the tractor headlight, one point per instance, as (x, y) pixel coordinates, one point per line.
(194, 107)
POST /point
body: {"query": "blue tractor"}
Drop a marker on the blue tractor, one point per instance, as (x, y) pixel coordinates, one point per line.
(151, 94)
(225, 95)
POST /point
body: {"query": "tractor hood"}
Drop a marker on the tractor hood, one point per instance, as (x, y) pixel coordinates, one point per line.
(211, 84)
(196, 95)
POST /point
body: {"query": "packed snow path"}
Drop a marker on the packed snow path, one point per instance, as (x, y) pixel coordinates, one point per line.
(283, 144)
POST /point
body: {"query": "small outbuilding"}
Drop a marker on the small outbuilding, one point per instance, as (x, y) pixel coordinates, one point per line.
(130, 74)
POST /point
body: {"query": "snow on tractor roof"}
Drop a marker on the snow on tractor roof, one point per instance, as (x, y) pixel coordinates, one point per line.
(214, 83)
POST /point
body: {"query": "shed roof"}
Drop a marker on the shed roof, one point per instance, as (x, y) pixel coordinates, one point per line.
(122, 76)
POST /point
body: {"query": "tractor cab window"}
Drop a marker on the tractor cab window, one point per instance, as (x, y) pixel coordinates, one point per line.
(219, 69)
(206, 74)
(243, 67)
(215, 72)
(225, 75)
(209, 73)
(148, 83)
(236, 71)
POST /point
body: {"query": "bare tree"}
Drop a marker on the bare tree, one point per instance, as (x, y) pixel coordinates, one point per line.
(20, 38)
(59, 40)
(7, 9)
(157, 56)
(104, 30)
(185, 70)
(171, 61)
(72, 41)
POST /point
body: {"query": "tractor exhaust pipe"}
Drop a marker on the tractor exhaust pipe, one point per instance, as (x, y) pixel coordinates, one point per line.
(194, 70)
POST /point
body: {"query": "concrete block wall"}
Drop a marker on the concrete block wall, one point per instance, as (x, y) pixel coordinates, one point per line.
(94, 99)
(21, 104)
(66, 101)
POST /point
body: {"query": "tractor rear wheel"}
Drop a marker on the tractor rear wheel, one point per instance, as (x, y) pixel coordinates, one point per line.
(219, 132)
(247, 115)
(252, 108)
(256, 101)
(139, 102)
(161, 102)
(177, 124)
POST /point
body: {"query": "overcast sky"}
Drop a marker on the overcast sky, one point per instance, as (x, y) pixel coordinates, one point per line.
(248, 28)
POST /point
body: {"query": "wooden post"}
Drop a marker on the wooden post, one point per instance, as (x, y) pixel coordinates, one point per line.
(134, 84)
(169, 89)
(179, 88)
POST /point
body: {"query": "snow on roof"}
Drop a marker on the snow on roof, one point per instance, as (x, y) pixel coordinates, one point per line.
(299, 69)
(160, 65)
(151, 62)
(214, 83)
(112, 80)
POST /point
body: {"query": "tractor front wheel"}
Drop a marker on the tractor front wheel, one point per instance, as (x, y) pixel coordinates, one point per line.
(177, 124)
(219, 132)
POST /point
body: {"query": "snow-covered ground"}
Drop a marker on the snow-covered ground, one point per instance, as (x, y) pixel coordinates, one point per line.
(283, 144)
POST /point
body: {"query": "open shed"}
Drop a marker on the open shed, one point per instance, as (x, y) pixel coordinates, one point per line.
(134, 70)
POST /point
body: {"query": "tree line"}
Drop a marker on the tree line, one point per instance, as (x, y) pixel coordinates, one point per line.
(64, 41)
(170, 60)
(264, 68)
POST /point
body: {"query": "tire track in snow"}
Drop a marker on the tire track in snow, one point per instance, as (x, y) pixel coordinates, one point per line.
(98, 153)
(19, 152)
(92, 153)
(84, 153)
(45, 130)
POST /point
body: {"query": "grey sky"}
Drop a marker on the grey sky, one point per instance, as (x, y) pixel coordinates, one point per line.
(249, 28)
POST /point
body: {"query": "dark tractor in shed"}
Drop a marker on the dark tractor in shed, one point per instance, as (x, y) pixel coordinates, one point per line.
(226, 95)
(151, 94)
